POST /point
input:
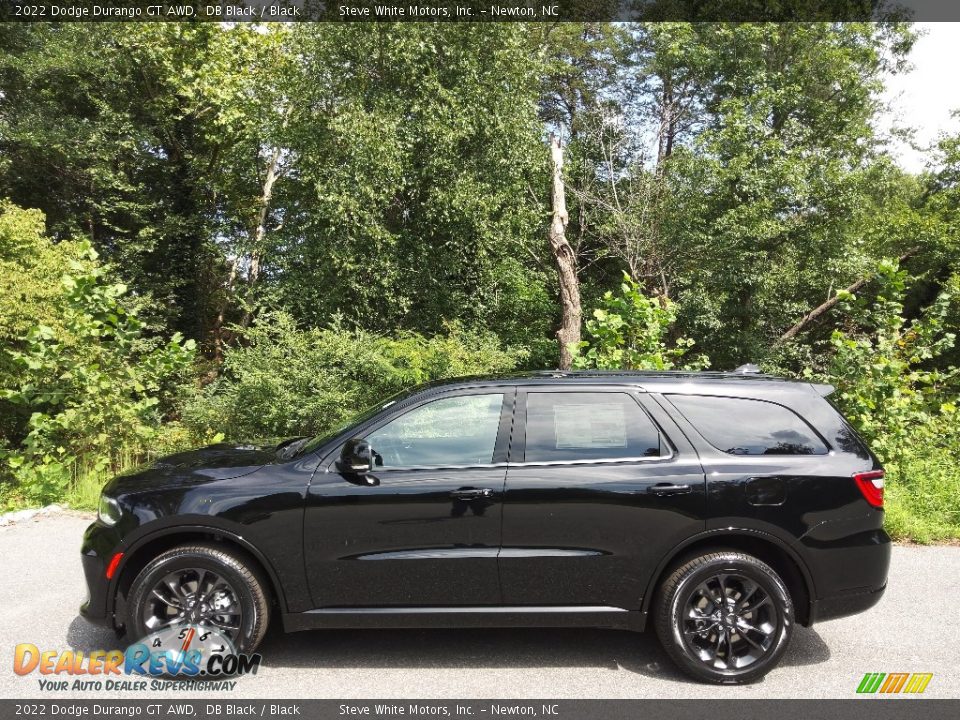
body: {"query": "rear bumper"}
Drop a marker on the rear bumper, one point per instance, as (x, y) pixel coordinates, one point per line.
(850, 573)
(844, 605)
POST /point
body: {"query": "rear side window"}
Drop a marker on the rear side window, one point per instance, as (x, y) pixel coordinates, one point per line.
(588, 426)
(749, 427)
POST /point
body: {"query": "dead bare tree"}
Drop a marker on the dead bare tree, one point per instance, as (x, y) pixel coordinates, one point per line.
(571, 313)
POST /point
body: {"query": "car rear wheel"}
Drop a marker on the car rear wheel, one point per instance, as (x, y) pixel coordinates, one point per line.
(202, 585)
(724, 617)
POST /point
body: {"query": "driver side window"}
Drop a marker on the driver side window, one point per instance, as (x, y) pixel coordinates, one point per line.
(447, 432)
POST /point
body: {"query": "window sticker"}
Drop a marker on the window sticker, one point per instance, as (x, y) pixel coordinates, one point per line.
(592, 426)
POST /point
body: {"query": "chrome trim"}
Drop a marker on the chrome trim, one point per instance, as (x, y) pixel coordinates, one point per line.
(599, 461)
(434, 554)
(474, 553)
(603, 461)
(378, 470)
(466, 609)
(547, 552)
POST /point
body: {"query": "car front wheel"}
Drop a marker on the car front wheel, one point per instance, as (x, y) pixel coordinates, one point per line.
(724, 617)
(207, 586)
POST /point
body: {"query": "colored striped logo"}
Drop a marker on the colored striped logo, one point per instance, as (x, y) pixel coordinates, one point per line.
(894, 683)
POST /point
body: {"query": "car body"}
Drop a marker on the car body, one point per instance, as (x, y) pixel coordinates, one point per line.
(539, 499)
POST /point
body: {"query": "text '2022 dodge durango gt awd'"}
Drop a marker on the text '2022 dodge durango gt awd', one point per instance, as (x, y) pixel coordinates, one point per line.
(721, 508)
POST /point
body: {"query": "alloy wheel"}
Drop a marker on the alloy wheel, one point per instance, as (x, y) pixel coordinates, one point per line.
(194, 596)
(729, 622)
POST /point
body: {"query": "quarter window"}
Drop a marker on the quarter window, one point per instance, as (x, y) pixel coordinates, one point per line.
(588, 426)
(447, 432)
(749, 427)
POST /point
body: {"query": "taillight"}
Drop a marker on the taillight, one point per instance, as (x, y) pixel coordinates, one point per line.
(871, 485)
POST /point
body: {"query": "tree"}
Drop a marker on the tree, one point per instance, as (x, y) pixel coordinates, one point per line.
(766, 206)
(99, 132)
(94, 386)
(630, 331)
(417, 146)
(568, 336)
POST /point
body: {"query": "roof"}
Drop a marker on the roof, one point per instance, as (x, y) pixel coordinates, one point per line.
(757, 383)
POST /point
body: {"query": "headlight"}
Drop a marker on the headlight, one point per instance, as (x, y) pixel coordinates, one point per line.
(108, 511)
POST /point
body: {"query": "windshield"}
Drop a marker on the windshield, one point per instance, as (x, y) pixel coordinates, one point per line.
(355, 421)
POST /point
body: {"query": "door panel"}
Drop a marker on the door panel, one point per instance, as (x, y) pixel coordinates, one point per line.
(420, 536)
(412, 540)
(591, 532)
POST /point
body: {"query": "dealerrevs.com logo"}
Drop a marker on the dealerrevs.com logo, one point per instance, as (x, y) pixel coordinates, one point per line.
(192, 657)
(894, 683)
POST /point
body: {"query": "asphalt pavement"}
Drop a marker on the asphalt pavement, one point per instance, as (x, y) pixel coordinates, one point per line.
(915, 628)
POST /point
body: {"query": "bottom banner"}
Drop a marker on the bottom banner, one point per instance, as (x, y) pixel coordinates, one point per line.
(860, 709)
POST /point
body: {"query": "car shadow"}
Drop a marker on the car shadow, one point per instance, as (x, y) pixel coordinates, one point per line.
(84, 635)
(639, 653)
(434, 649)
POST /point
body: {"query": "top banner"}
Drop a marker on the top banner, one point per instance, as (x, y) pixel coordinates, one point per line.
(259, 11)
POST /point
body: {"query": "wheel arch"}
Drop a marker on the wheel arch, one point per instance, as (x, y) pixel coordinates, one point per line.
(766, 547)
(145, 549)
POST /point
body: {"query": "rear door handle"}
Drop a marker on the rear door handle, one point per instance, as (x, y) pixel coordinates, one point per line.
(471, 493)
(662, 489)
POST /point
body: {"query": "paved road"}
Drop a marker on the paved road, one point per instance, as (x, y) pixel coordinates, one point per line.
(915, 628)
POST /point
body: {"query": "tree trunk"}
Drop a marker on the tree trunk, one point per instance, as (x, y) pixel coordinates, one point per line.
(569, 332)
(260, 231)
(826, 306)
(218, 332)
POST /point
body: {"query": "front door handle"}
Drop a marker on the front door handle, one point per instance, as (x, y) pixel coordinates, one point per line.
(471, 493)
(662, 489)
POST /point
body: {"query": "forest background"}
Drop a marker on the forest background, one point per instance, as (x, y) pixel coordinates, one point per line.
(217, 233)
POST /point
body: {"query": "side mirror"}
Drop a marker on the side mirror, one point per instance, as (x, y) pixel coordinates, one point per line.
(357, 459)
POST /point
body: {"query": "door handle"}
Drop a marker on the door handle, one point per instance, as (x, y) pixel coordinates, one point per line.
(662, 489)
(471, 493)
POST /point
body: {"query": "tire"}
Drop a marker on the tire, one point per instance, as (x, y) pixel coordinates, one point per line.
(740, 644)
(240, 582)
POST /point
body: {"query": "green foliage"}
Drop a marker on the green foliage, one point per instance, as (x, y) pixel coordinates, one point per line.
(630, 331)
(734, 171)
(418, 172)
(30, 271)
(94, 387)
(883, 365)
(282, 381)
(892, 388)
(30, 292)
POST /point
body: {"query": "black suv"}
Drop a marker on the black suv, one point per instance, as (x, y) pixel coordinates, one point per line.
(724, 507)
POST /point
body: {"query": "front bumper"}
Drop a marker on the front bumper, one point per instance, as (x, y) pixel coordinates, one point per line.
(99, 544)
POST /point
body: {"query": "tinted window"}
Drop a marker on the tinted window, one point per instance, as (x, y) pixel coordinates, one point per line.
(749, 427)
(588, 426)
(451, 431)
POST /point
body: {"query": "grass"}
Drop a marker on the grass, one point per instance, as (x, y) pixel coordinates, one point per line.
(89, 476)
(923, 497)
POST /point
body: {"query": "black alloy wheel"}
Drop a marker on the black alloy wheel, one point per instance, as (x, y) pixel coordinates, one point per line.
(724, 617)
(205, 585)
(197, 596)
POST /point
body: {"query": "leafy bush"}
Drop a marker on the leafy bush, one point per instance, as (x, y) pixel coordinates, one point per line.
(629, 331)
(888, 385)
(282, 381)
(30, 293)
(91, 389)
